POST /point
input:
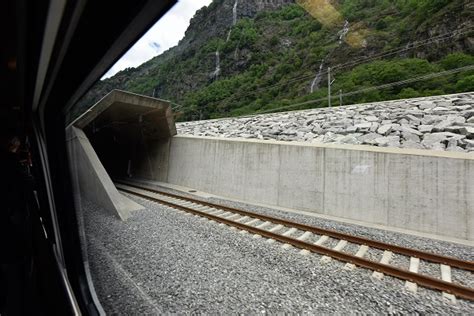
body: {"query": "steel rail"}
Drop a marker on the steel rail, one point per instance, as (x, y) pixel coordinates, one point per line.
(426, 281)
(453, 262)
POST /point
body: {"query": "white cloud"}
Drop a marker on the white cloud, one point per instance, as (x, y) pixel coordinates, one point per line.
(166, 33)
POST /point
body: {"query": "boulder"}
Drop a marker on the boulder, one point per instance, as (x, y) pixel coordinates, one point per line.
(385, 129)
(371, 118)
(432, 119)
(330, 137)
(440, 137)
(441, 126)
(440, 109)
(444, 104)
(435, 146)
(413, 119)
(308, 136)
(349, 139)
(426, 105)
(463, 130)
(411, 144)
(363, 127)
(374, 127)
(468, 143)
(429, 139)
(468, 114)
(368, 138)
(468, 131)
(414, 113)
(244, 135)
(392, 141)
(410, 130)
(289, 132)
(351, 130)
(463, 107)
(425, 128)
(410, 136)
(456, 119)
(462, 102)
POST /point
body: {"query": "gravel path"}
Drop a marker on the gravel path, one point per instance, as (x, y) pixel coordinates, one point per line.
(160, 261)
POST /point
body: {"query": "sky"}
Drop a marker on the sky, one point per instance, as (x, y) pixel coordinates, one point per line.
(166, 33)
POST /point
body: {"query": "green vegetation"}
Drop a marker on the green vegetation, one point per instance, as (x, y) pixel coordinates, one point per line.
(269, 61)
(239, 95)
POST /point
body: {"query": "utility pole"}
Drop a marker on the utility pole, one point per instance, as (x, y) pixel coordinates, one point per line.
(330, 82)
(340, 97)
(329, 86)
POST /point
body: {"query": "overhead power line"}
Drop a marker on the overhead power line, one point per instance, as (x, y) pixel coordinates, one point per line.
(367, 89)
(410, 46)
(354, 63)
(383, 86)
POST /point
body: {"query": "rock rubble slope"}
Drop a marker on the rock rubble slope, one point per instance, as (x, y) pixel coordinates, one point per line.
(434, 123)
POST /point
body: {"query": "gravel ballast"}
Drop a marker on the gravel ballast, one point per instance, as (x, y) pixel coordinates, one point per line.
(160, 261)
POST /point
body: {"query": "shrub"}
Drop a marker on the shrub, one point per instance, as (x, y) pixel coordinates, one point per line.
(465, 84)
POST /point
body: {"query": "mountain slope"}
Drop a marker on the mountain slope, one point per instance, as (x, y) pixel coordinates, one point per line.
(241, 57)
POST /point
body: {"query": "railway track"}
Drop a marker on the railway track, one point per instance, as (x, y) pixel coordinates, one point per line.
(277, 229)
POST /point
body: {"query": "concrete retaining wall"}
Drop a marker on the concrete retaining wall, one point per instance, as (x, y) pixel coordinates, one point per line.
(91, 180)
(419, 190)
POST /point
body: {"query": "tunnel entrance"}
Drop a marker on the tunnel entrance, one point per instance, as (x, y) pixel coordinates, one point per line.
(127, 131)
(123, 135)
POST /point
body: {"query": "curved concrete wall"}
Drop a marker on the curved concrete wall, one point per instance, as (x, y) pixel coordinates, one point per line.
(419, 190)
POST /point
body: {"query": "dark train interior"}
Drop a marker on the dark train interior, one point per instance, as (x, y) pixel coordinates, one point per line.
(52, 52)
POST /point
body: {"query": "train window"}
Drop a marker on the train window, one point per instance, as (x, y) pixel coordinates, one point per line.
(283, 156)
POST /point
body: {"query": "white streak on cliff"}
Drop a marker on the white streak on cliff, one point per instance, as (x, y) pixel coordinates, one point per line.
(234, 12)
(342, 33)
(217, 71)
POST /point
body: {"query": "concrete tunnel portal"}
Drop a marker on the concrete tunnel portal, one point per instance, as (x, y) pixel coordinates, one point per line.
(133, 135)
(125, 134)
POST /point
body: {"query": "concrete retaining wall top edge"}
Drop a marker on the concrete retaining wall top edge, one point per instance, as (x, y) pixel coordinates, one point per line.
(387, 150)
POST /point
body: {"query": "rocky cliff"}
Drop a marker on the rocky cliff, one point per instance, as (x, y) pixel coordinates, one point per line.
(243, 56)
(216, 19)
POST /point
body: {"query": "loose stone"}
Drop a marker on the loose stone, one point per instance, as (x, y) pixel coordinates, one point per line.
(435, 123)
